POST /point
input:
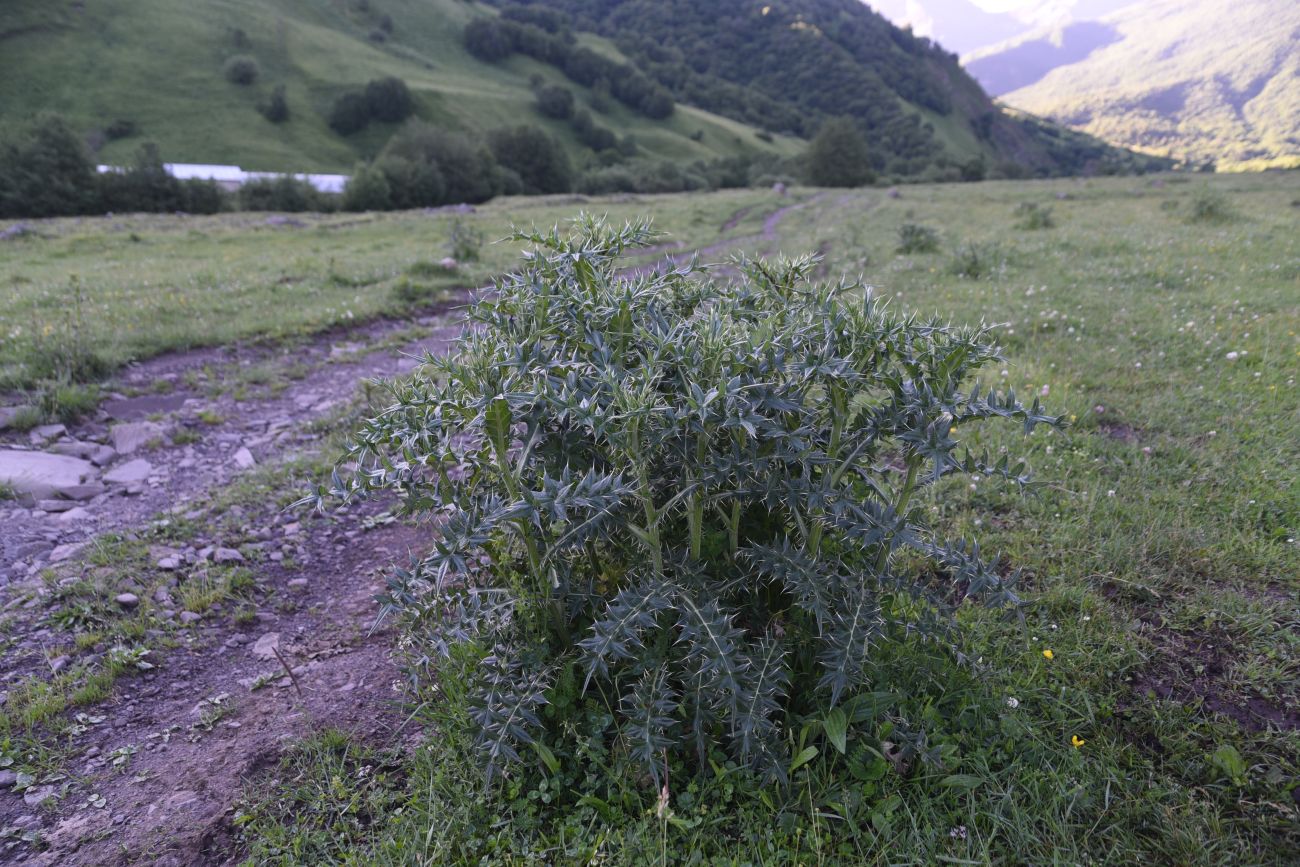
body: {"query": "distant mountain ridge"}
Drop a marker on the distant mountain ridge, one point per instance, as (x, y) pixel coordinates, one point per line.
(1197, 80)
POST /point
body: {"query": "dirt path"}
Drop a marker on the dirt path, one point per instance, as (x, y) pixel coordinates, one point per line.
(186, 756)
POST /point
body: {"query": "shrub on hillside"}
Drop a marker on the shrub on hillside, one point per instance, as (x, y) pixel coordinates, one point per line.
(538, 160)
(555, 101)
(690, 507)
(592, 134)
(389, 100)
(276, 107)
(241, 69)
(487, 40)
(349, 114)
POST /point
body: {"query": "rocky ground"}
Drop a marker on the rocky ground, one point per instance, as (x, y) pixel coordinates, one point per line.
(117, 536)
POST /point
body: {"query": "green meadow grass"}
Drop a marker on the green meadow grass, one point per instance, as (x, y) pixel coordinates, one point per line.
(150, 284)
(1162, 568)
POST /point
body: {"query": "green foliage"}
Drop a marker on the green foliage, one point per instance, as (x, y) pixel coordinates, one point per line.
(1209, 206)
(555, 101)
(537, 158)
(45, 171)
(350, 114)
(975, 261)
(276, 107)
(487, 40)
(838, 157)
(915, 238)
(688, 493)
(285, 193)
(466, 241)
(1031, 216)
(241, 69)
(368, 190)
(389, 100)
(466, 164)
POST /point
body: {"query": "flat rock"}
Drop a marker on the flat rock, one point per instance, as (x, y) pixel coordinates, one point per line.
(66, 552)
(7, 778)
(81, 493)
(190, 617)
(74, 448)
(266, 646)
(127, 600)
(243, 458)
(42, 476)
(135, 435)
(227, 555)
(55, 505)
(46, 432)
(38, 795)
(129, 473)
(76, 514)
(103, 456)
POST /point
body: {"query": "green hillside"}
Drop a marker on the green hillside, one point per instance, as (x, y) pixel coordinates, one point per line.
(158, 64)
(1215, 80)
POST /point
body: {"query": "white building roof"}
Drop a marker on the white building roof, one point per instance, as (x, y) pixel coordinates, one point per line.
(236, 175)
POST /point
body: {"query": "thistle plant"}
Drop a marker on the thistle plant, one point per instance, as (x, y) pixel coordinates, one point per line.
(694, 497)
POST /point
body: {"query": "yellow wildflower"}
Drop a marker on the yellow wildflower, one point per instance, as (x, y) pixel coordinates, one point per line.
(1048, 653)
(1077, 741)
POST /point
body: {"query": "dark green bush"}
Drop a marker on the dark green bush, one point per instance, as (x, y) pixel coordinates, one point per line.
(367, 190)
(349, 114)
(276, 107)
(389, 100)
(468, 168)
(693, 504)
(241, 69)
(537, 158)
(285, 193)
(555, 101)
(487, 40)
(413, 184)
(46, 171)
(838, 156)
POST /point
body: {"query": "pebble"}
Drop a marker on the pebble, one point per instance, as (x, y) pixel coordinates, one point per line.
(244, 458)
(298, 584)
(169, 564)
(190, 617)
(7, 778)
(127, 600)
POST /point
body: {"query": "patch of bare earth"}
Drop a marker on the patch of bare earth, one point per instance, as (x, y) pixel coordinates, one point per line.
(152, 774)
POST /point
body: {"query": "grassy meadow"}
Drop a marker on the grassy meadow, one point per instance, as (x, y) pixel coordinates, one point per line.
(1145, 706)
